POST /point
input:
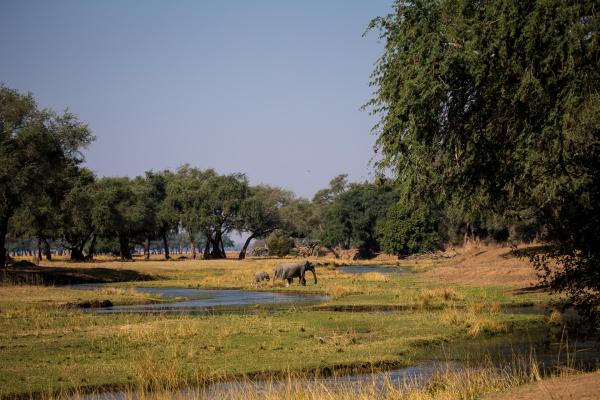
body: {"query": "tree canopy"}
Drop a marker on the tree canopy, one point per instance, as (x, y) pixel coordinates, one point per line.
(36, 148)
(493, 107)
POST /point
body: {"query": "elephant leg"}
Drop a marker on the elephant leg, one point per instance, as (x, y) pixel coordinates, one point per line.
(289, 281)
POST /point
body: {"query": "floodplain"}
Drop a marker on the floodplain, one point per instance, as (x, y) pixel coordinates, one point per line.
(492, 333)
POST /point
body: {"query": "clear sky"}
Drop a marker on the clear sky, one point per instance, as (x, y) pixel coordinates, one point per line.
(268, 88)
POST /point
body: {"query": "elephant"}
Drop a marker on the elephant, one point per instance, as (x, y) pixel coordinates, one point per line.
(290, 271)
(262, 276)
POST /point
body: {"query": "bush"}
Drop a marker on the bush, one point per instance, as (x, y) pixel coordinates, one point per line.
(279, 244)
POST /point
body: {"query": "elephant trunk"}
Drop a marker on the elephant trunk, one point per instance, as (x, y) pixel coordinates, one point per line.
(315, 275)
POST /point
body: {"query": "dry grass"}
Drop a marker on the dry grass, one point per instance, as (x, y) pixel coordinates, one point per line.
(445, 294)
(374, 277)
(485, 265)
(446, 384)
(338, 291)
(477, 319)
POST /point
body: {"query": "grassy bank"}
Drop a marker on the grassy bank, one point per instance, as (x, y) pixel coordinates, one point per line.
(47, 347)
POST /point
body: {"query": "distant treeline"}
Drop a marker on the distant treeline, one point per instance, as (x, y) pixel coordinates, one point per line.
(49, 201)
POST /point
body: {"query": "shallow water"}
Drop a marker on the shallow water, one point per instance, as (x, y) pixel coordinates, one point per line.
(203, 301)
(416, 376)
(364, 269)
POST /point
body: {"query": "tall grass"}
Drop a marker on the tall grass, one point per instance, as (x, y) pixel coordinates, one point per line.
(445, 384)
(477, 319)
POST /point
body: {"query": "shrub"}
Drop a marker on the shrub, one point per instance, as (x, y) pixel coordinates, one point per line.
(279, 244)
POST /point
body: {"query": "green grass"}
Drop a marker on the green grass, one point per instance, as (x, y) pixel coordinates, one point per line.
(108, 349)
(45, 347)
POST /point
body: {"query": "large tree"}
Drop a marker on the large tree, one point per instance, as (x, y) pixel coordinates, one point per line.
(260, 213)
(121, 211)
(185, 198)
(494, 106)
(75, 215)
(220, 212)
(164, 218)
(351, 218)
(36, 146)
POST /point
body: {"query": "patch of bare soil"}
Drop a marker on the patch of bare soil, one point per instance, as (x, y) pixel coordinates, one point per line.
(486, 265)
(580, 387)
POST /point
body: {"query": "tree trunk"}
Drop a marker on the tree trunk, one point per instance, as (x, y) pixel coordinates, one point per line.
(124, 250)
(77, 254)
(47, 250)
(243, 252)
(92, 249)
(3, 251)
(166, 246)
(214, 244)
(222, 247)
(192, 246)
(206, 254)
(147, 249)
(217, 246)
(38, 256)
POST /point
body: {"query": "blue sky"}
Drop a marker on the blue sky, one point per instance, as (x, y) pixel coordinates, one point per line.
(268, 88)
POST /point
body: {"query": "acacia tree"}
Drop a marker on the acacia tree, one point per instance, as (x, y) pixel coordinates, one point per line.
(35, 148)
(494, 105)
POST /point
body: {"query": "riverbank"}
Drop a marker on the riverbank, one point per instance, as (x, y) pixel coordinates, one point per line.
(405, 318)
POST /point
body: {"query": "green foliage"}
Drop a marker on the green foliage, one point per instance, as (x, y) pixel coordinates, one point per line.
(260, 212)
(75, 215)
(37, 147)
(351, 216)
(122, 209)
(337, 186)
(223, 198)
(165, 217)
(279, 243)
(207, 203)
(409, 230)
(300, 218)
(184, 199)
(492, 108)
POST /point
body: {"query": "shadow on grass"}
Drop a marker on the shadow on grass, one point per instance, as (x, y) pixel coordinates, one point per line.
(27, 273)
(527, 252)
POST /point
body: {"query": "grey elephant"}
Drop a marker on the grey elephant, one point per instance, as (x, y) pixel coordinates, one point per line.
(262, 276)
(288, 272)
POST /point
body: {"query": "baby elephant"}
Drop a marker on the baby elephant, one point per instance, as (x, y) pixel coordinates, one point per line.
(261, 276)
(288, 272)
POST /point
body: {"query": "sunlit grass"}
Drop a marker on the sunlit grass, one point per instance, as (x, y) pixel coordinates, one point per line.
(46, 346)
